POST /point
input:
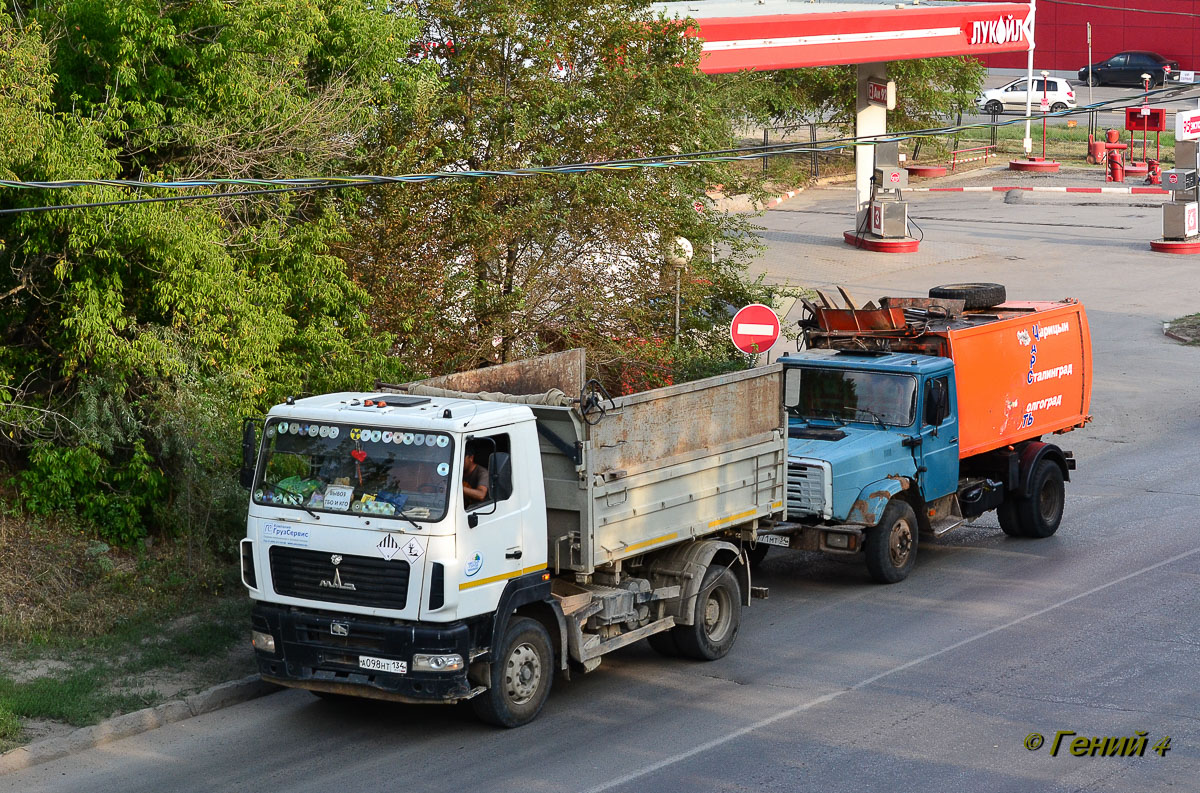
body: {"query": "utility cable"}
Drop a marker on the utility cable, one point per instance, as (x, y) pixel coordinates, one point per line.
(753, 152)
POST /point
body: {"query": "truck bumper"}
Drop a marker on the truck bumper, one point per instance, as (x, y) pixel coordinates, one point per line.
(309, 654)
(842, 539)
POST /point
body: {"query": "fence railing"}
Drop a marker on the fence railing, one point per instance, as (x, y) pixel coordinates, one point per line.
(956, 160)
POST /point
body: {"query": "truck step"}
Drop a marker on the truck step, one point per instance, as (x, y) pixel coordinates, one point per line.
(760, 592)
(945, 525)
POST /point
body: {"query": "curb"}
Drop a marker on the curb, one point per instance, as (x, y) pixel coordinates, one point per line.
(219, 696)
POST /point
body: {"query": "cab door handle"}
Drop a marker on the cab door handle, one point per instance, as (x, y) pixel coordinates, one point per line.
(513, 554)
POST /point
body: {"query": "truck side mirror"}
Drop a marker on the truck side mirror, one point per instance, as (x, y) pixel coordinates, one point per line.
(249, 453)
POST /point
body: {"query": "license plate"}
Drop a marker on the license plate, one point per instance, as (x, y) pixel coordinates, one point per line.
(383, 664)
(782, 540)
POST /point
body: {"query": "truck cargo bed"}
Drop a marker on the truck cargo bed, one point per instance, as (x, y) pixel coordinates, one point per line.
(657, 468)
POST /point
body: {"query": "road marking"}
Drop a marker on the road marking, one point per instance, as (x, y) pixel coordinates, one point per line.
(821, 700)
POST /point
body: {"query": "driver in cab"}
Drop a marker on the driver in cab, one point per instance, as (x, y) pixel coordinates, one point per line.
(475, 479)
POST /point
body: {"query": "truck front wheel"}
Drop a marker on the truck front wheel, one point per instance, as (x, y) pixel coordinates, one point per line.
(715, 621)
(521, 676)
(891, 546)
(1039, 515)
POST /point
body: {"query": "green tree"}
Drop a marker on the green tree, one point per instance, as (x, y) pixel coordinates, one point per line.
(928, 92)
(134, 337)
(472, 271)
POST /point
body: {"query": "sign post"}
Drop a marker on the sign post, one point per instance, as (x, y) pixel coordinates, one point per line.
(754, 329)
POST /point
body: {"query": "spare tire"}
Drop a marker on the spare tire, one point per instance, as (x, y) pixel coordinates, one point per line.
(975, 295)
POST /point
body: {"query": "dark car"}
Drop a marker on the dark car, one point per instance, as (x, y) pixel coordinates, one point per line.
(1127, 68)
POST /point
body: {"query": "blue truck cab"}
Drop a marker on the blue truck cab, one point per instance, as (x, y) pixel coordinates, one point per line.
(873, 460)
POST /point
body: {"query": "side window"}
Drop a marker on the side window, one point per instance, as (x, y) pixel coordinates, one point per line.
(487, 471)
(1117, 61)
(1039, 85)
(1018, 86)
(937, 400)
(1052, 86)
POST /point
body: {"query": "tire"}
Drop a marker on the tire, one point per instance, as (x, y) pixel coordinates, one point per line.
(1058, 107)
(756, 554)
(1093, 81)
(891, 546)
(1040, 515)
(1010, 524)
(716, 618)
(992, 107)
(521, 675)
(975, 295)
(664, 644)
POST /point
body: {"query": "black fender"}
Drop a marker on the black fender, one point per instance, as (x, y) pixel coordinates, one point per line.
(530, 594)
(1032, 454)
(685, 565)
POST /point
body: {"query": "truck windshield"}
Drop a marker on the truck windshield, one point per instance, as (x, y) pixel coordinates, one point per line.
(850, 395)
(325, 467)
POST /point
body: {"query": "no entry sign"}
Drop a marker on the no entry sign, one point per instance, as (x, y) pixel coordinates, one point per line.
(754, 328)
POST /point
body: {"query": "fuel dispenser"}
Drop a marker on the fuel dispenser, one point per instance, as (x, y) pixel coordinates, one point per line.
(1181, 215)
(889, 214)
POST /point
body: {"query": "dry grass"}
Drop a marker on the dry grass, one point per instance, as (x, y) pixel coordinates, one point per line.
(60, 582)
(88, 631)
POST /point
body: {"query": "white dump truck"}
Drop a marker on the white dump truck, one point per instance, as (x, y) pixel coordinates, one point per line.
(586, 523)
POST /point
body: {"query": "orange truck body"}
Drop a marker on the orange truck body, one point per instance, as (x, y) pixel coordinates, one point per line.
(1023, 368)
(1026, 374)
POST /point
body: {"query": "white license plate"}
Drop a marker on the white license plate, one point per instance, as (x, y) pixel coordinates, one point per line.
(383, 664)
(782, 540)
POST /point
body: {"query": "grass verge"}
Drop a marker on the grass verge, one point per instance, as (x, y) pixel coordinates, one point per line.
(1186, 328)
(88, 631)
(80, 681)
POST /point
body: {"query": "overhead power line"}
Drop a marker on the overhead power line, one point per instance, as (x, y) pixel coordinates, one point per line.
(1121, 8)
(314, 183)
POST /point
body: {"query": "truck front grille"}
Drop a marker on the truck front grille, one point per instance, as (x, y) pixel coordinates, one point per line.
(354, 580)
(805, 489)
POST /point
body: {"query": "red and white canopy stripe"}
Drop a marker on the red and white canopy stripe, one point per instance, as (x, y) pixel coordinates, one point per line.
(856, 34)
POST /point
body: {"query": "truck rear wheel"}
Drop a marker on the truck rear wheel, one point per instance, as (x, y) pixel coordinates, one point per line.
(716, 619)
(1038, 516)
(974, 295)
(521, 674)
(891, 546)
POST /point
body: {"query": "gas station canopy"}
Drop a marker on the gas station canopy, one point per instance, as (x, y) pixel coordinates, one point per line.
(787, 34)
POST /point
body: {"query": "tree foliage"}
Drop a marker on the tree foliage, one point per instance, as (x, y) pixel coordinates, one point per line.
(476, 271)
(928, 91)
(135, 336)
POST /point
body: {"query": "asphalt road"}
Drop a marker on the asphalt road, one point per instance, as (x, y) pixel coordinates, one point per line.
(838, 684)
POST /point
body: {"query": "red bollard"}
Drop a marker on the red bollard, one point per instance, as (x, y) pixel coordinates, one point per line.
(1154, 172)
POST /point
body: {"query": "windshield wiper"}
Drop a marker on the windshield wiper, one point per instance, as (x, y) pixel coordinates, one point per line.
(877, 418)
(291, 492)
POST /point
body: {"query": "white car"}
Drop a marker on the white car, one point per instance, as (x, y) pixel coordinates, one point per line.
(1058, 92)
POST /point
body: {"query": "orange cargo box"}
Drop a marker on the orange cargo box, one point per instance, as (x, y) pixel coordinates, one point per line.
(1026, 373)
(1023, 369)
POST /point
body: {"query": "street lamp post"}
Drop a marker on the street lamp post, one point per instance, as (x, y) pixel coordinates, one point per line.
(1045, 108)
(1145, 111)
(679, 253)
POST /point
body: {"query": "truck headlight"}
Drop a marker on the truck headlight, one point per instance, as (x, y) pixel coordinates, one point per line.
(262, 641)
(447, 662)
